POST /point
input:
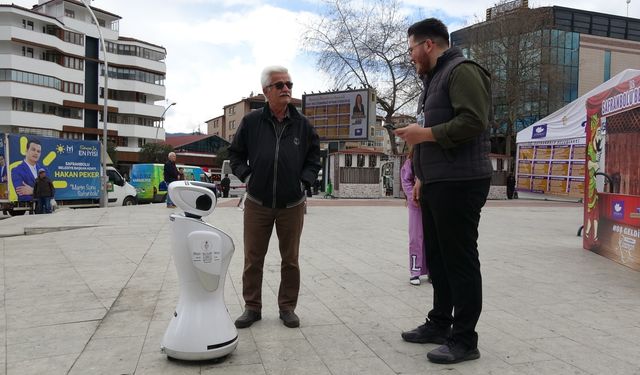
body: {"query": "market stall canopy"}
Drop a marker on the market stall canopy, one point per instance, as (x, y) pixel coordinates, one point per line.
(568, 122)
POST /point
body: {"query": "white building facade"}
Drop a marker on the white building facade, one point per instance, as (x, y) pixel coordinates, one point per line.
(52, 76)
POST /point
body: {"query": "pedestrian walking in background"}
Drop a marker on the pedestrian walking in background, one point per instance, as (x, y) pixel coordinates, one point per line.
(417, 261)
(451, 161)
(511, 186)
(43, 192)
(170, 175)
(275, 152)
(226, 186)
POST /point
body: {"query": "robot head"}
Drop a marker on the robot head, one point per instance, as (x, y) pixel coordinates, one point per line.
(197, 199)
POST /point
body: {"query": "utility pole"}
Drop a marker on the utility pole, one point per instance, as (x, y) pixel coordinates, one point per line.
(103, 154)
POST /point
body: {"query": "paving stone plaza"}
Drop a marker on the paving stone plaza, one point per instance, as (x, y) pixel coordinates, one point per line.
(92, 291)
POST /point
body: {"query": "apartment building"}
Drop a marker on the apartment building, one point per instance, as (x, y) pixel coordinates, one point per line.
(226, 125)
(52, 76)
(562, 54)
(215, 126)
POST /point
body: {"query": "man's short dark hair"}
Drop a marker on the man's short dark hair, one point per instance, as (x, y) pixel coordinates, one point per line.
(430, 28)
(34, 141)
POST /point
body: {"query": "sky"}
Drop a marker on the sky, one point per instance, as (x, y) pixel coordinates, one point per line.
(216, 49)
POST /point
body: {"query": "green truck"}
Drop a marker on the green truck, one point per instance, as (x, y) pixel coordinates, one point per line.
(148, 179)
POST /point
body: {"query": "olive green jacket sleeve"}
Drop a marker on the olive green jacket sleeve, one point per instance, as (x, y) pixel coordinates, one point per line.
(470, 95)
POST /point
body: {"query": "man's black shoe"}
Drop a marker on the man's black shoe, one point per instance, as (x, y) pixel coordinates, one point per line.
(427, 333)
(247, 318)
(290, 319)
(453, 352)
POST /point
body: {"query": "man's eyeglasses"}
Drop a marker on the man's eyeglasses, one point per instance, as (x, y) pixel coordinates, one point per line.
(280, 85)
(410, 49)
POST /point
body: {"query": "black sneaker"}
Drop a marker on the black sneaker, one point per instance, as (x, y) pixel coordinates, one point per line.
(453, 352)
(247, 318)
(289, 318)
(427, 333)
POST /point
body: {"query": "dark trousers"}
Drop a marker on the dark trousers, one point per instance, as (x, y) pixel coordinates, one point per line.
(450, 218)
(258, 226)
(44, 205)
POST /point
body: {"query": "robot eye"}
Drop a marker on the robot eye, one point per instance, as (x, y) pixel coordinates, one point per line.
(204, 203)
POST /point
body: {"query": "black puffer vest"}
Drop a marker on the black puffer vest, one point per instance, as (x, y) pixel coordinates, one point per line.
(432, 162)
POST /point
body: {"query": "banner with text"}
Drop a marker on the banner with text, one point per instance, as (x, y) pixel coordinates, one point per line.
(73, 166)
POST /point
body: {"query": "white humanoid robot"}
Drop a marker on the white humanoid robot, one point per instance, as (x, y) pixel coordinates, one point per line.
(201, 327)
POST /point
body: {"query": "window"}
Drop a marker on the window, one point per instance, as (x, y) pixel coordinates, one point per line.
(348, 161)
(27, 24)
(360, 160)
(27, 51)
(69, 13)
(114, 177)
(372, 161)
(232, 124)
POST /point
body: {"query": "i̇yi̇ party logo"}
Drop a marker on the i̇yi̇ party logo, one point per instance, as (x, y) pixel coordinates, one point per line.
(618, 210)
(539, 131)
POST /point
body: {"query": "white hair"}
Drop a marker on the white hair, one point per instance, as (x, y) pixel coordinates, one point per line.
(265, 77)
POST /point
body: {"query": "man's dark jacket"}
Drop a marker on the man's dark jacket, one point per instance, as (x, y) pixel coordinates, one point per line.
(225, 183)
(278, 166)
(43, 188)
(466, 160)
(170, 172)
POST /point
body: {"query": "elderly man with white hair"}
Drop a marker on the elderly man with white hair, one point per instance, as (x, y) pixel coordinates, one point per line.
(276, 152)
(170, 175)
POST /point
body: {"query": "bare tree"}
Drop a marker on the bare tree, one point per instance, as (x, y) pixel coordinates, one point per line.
(511, 46)
(364, 44)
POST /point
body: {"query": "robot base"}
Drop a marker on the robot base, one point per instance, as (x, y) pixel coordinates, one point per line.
(217, 351)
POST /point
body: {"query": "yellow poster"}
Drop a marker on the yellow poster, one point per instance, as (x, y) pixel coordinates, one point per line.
(558, 186)
(576, 187)
(540, 168)
(562, 152)
(543, 152)
(559, 168)
(524, 183)
(539, 184)
(524, 167)
(577, 169)
(578, 152)
(526, 153)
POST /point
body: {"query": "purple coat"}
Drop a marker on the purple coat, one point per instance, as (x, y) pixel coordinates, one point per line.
(417, 262)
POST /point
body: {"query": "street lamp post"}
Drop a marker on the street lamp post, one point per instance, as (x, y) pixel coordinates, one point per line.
(162, 119)
(103, 154)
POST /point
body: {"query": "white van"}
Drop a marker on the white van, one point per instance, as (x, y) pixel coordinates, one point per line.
(120, 192)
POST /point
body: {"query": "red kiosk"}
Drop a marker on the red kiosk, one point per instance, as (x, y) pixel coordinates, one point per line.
(612, 202)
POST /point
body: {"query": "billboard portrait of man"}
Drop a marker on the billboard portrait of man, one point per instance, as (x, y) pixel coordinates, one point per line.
(23, 176)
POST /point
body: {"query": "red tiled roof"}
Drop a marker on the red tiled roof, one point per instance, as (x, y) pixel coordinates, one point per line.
(181, 140)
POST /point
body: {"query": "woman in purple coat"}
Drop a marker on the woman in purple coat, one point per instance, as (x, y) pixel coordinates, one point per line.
(417, 262)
